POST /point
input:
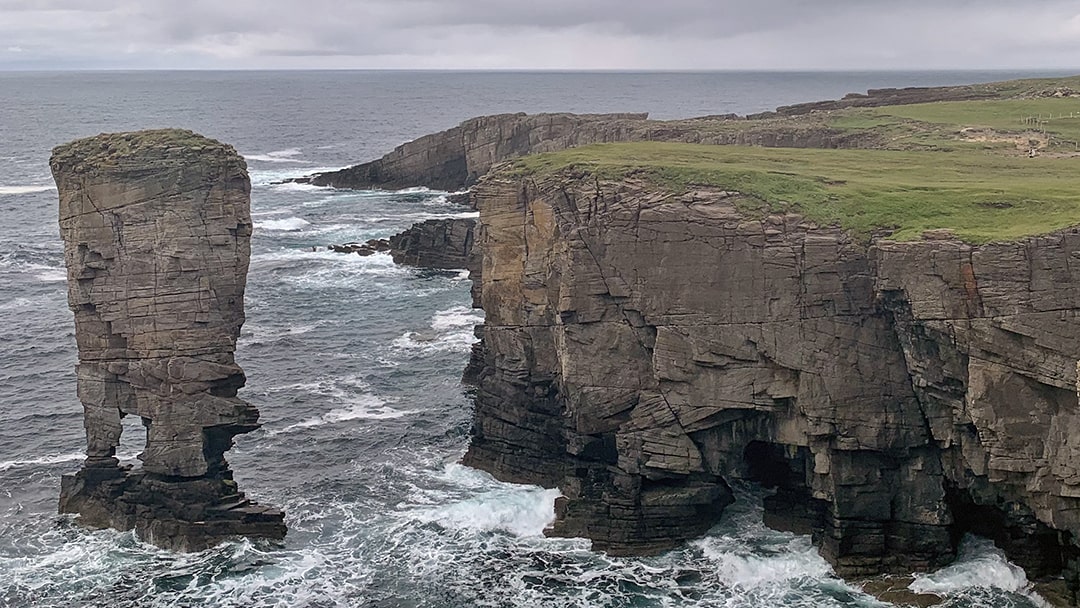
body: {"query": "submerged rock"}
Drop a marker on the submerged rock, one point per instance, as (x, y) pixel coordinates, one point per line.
(156, 228)
(369, 247)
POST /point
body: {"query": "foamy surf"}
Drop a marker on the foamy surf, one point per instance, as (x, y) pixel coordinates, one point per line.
(524, 511)
(288, 224)
(979, 566)
(278, 156)
(48, 274)
(272, 177)
(14, 190)
(364, 407)
(296, 187)
(47, 460)
(452, 330)
(347, 400)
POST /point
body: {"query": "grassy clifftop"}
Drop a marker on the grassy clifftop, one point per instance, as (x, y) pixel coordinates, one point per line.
(959, 165)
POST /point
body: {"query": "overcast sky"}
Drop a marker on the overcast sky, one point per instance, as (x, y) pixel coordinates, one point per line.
(543, 34)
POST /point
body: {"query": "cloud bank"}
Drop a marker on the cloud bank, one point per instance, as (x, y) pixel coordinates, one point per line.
(541, 34)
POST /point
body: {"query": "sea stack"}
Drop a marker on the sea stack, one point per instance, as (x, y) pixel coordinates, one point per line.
(157, 228)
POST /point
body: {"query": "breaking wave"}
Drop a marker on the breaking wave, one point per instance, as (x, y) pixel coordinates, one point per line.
(980, 570)
(50, 459)
(288, 224)
(451, 330)
(12, 190)
(278, 156)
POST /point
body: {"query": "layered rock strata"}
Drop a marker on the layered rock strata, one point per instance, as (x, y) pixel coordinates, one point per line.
(456, 158)
(452, 159)
(441, 243)
(156, 228)
(643, 349)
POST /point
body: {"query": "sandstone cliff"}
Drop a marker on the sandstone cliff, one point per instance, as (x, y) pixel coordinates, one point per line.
(156, 228)
(643, 348)
(456, 158)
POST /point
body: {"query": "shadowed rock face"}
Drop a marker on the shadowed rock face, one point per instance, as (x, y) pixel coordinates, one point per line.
(457, 157)
(641, 349)
(156, 228)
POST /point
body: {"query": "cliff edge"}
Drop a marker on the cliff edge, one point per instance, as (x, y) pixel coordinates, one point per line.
(156, 228)
(663, 319)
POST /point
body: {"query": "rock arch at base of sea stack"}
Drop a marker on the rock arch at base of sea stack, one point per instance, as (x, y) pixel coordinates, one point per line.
(156, 228)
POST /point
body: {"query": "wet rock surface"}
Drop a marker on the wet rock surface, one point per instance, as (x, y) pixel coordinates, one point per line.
(156, 228)
(643, 348)
(442, 243)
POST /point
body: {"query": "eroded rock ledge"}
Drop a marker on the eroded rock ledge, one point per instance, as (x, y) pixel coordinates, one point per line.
(642, 349)
(156, 228)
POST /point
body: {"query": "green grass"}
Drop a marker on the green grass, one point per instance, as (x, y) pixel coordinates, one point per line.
(981, 196)
(942, 121)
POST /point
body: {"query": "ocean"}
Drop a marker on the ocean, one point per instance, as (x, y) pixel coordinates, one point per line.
(355, 365)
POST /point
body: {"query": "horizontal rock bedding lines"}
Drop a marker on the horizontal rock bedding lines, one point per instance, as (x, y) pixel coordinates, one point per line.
(156, 228)
(642, 348)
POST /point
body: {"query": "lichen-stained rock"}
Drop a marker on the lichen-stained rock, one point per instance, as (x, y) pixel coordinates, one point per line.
(156, 228)
(644, 348)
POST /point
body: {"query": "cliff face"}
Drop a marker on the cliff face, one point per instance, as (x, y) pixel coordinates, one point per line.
(458, 157)
(642, 349)
(156, 228)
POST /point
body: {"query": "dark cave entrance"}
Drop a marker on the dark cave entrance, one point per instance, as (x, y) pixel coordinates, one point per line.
(767, 464)
(792, 508)
(1040, 550)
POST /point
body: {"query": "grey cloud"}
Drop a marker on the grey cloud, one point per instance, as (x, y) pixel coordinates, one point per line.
(543, 33)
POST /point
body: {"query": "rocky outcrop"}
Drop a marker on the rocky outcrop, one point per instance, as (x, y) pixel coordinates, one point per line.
(441, 243)
(156, 228)
(642, 349)
(888, 97)
(452, 159)
(456, 158)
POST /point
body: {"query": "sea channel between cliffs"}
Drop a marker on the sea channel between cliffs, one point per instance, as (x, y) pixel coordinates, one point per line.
(867, 306)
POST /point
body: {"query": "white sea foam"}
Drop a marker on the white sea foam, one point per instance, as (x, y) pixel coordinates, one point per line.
(271, 177)
(259, 334)
(458, 317)
(47, 274)
(350, 396)
(979, 565)
(363, 407)
(522, 510)
(12, 190)
(295, 187)
(50, 459)
(288, 224)
(343, 269)
(451, 331)
(278, 156)
(742, 567)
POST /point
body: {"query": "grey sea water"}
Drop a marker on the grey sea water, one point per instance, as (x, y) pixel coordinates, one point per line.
(354, 363)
